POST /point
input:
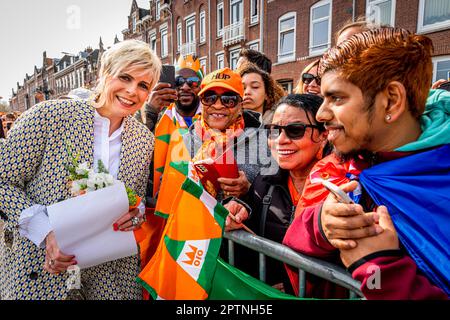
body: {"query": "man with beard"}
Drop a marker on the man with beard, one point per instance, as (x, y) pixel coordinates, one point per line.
(393, 137)
(183, 109)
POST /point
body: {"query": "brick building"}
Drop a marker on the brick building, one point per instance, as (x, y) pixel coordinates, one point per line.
(290, 33)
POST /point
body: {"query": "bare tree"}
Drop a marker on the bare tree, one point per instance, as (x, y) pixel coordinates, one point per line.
(4, 106)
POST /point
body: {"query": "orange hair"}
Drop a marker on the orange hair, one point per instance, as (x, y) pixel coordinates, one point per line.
(372, 59)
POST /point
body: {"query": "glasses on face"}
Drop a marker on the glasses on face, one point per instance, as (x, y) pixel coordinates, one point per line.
(228, 99)
(293, 131)
(192, 82)
(307, 78)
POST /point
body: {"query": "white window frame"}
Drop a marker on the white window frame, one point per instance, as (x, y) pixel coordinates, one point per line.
(179, 36)
(190, 22)
(234, 52)
(287, 16)
(312, 51)
(202, 26)
(158, 10)
(432, 27)
(152, 38)
(163, 30)
(435, 62)
(369, 4)
(222, 18)
(254, 19)
(220, 57)
(133, 23)
(203, 61)
(254, 45)
(241, 11)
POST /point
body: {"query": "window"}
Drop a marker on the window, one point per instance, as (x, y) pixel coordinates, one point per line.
(441, 68)
(234, 57)
(219, 19)
(254, 17)
(179, 36)
(158, 10)
(286, 37)
(152, 41)
(202, 27)
(133, 26)
(381, 12)
(287, 85)
(433, 15)
(254, 46)
(220, 61)
(203, 64)
(237, 11)
(164, 43)
(190, 30)
(320, 28)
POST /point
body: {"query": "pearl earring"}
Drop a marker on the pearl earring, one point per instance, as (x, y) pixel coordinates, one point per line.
(388, 117)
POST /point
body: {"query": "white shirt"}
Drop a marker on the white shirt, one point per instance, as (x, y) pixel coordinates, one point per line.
(34, 223)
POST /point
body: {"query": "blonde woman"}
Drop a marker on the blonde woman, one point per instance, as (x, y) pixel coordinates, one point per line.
(33, 176)
(309, 81)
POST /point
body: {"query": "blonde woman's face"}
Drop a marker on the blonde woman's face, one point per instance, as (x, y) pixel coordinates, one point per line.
(126, 93)
(312, 87)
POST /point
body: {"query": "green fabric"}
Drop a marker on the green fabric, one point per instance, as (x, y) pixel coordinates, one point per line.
(435, 123)
(230, 283)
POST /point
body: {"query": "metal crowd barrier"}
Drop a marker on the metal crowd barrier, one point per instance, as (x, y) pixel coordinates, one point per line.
(304, 263)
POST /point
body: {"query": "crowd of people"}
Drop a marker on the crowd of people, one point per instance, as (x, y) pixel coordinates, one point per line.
(365, 116)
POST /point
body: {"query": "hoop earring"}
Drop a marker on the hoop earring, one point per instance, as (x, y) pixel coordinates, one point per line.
(319, 154)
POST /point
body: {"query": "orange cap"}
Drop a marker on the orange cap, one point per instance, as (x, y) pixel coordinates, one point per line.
(223, 78)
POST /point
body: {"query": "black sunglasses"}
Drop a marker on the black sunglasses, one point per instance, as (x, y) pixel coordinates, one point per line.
(191, 81)
(229, 100)
(307, 78)
(293, 131)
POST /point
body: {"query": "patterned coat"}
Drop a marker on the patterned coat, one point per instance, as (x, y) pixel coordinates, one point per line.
(32, 171)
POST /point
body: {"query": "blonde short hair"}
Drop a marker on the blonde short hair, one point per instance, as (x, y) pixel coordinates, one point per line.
(123, 55)
(299, 87)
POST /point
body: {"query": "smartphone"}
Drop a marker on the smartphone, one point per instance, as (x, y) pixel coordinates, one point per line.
(341, 196)
(168, 75)
(445, 86)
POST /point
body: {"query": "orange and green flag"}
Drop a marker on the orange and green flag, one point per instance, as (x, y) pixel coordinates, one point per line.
(185, 261)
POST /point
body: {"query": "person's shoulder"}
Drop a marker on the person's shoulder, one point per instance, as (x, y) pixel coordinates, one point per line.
(139, 128)
(252, 119)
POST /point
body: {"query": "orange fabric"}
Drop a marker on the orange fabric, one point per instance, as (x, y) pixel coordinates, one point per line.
(223, 78)
(295, 195)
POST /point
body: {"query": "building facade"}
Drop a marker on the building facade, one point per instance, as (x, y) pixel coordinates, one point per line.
(291, 33)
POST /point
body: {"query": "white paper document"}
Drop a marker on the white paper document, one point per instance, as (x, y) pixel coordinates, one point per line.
(83, 226)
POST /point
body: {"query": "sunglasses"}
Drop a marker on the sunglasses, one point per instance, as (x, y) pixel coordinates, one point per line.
(307, 78)
(191, 81)
(293, 131)
(229, 100)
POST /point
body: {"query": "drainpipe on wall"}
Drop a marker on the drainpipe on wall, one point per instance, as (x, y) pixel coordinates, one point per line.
(261, 26)
(354, 11)
(210, 40)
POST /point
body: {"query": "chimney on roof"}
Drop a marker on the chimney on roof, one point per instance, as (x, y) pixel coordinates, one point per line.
(116, 40)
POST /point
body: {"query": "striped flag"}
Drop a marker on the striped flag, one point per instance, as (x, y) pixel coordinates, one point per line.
(184, 264)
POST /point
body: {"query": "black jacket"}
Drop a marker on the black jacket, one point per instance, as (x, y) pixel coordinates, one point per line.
(279, 215)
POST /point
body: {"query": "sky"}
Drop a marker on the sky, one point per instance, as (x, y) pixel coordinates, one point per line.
(30, 27)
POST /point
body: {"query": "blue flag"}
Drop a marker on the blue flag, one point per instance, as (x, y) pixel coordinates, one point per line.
(416, 191)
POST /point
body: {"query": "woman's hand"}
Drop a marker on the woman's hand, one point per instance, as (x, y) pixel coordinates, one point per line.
(239, 213)
(56, 261)
(235, 187)
(343, 223)
(130, 221)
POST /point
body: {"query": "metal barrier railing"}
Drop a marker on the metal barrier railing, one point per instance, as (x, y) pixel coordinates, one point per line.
(304, 263)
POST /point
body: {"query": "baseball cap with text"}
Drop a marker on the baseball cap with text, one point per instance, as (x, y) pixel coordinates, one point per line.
(223, 78)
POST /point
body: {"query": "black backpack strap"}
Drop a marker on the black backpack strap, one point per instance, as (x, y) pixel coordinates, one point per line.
(267, 200)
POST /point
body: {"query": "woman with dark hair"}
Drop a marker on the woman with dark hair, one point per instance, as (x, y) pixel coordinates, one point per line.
(261, 92)
(297, 141)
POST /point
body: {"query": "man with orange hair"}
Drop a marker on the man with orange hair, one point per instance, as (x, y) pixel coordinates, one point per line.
(395, 137)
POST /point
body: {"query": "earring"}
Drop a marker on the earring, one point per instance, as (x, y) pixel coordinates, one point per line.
(388, 117)
(319, 154)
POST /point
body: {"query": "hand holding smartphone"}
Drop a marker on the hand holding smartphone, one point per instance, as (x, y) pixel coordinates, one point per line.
(340, 195)
(168, 75)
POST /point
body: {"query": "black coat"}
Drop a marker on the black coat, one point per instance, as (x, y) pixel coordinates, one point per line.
(279, 215)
